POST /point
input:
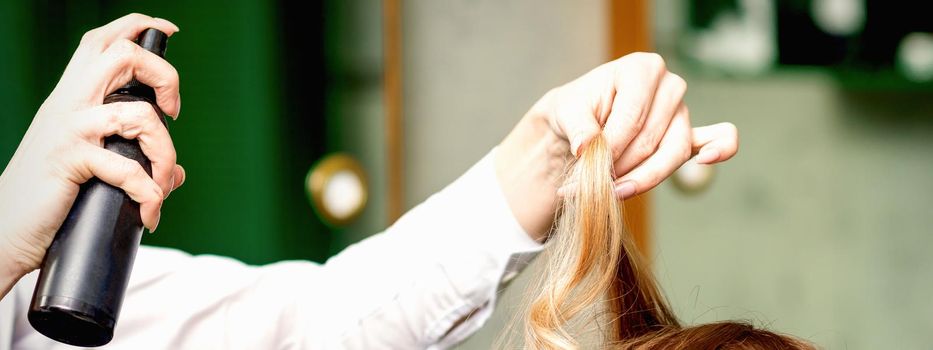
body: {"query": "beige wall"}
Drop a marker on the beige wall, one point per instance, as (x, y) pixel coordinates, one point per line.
(471, 70)
(821, 226)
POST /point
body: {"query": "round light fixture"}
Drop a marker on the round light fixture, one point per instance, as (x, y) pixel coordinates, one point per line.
(336, 186)
(693, 178)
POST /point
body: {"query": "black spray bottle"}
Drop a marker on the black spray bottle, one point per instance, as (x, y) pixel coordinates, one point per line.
(86, 269)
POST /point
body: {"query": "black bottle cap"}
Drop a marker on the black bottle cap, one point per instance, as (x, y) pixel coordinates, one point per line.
(153, 40)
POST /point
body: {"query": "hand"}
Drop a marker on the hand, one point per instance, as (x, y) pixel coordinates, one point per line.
(637, 104)
(63, 147)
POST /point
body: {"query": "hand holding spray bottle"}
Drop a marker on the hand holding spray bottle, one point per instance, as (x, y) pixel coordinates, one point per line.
(86, 269)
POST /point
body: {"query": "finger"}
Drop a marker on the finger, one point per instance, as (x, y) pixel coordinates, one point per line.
(179, 177)
(636, 80)
(671, 154)
(133, 120)
(126, 27)
(571, 119)
(579, 130)
(715, 143)
(124, 60)
(125, 174)
(667, 100)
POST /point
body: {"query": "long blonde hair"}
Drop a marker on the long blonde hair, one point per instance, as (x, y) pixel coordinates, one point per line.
(592, 261)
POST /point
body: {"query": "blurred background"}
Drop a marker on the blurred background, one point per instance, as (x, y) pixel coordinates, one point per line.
(820, 227)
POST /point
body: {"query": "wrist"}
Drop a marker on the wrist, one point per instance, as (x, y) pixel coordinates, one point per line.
(530, 164)
(10, 271)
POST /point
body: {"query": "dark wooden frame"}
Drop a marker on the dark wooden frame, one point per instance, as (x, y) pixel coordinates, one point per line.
(630, 31)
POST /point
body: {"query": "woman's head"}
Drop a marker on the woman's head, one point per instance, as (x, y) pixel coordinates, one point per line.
(595, 277)
(713, 336)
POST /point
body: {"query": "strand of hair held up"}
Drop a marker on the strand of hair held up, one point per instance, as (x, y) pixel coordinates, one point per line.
(596, 283)
(593, 260)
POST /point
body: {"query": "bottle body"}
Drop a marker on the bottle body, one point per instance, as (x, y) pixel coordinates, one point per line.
(87, 267)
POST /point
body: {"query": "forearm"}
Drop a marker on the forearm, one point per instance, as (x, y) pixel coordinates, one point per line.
(432, 278)
(529, 166)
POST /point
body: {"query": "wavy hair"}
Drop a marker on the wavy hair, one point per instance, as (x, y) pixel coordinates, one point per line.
(595, 278)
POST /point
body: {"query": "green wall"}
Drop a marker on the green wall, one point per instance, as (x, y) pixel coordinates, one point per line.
(236, 201)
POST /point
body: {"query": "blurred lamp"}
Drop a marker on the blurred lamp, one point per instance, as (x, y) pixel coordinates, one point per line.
(692, 177)
(915, 56)
(336, 186)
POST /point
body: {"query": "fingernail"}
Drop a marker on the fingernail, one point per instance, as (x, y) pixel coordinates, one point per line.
(177, 108)
(170, 188)
(707, 156)
(566, 189)
(575, 147)
(183, 176)
(625, 190)
(156, 225)
(170, 22)
(175, 116)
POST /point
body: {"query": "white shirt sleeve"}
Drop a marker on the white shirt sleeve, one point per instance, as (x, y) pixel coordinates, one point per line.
(427, 282)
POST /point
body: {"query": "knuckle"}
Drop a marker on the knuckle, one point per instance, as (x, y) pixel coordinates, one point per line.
(686, 152)
(172, 158)
(150, 197)
(137, 169)
(139, 109)
(684, 112)
(644, 147)
(633, 112)
(148, 121)
(652, 60)
(112, 120)
(90, 36)
(122, 50)
(169, 79)
(137, 17)
(127, 169)
(654, 179)
(126, 46)
(173, 77)
(132, 129)
(679, 84)
(619, 150)
(119, 55)
(731, 130)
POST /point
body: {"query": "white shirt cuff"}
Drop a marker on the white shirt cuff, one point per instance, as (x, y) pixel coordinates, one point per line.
(496, 238)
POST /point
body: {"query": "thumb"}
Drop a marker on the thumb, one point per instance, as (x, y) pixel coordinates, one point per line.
(579, 131)
(715, 143)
